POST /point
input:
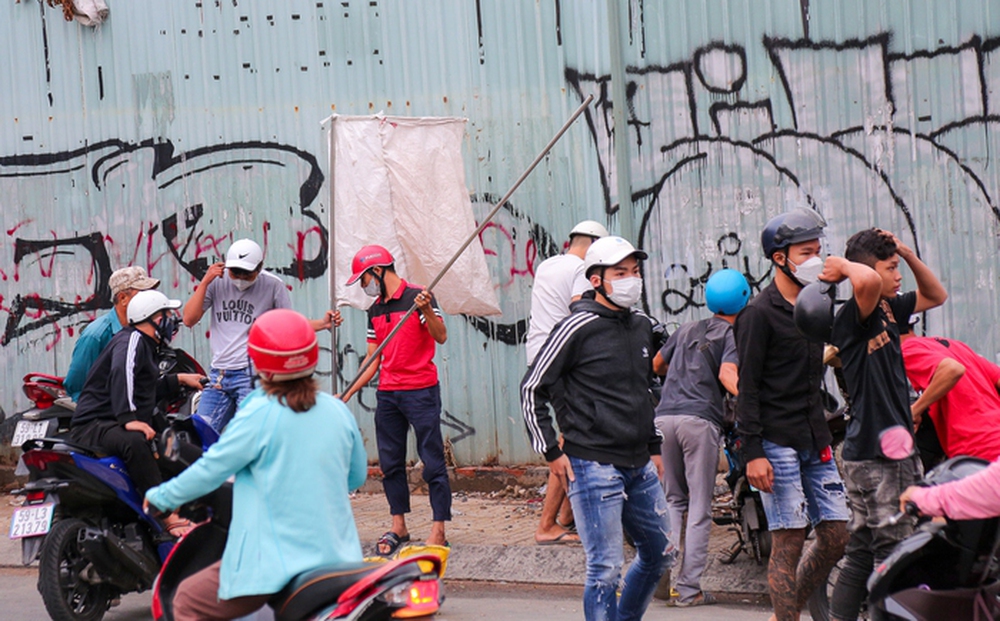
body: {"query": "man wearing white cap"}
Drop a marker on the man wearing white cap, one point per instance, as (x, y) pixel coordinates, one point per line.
(248, 292)
(115, 411)
(559, 280)
(124, 283)
(600, 360)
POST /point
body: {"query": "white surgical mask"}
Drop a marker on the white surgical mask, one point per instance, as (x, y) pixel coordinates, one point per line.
(625, 292)
(372, 288)
(243, 285)
(809, 271)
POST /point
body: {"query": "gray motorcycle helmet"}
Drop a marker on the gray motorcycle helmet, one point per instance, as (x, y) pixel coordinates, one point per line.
(792, 227)
(813, 312)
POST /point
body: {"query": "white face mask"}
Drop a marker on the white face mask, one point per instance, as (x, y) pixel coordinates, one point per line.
(808, 272)
(372, 288)
(625, 292)
(243, 285)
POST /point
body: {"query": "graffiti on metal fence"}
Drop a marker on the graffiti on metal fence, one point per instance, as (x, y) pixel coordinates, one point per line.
(210, 195)
(696, 128)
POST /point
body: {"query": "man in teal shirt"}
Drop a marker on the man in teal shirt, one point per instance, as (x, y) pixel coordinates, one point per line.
(124, 284)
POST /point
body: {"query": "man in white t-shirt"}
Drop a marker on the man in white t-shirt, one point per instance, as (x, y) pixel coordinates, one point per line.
(558, 281)
(235, 302)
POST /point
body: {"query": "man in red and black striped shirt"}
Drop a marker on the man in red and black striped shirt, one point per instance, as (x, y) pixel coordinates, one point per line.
(408, 391)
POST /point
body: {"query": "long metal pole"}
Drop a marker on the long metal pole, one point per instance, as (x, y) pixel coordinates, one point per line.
(482, 225)
(334, 341)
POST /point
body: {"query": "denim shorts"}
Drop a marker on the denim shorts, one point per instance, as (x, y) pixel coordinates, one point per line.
(805, 491)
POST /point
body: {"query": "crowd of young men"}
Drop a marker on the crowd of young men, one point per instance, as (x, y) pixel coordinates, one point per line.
(627, 465)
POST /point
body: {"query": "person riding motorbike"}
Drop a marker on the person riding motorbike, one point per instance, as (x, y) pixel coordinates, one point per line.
(296, 454)
(115, 412)
(124, 283)
(975, 497)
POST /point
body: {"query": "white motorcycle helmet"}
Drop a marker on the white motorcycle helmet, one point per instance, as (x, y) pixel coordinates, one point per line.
(610, 251)
(589, 228)
(145, 304)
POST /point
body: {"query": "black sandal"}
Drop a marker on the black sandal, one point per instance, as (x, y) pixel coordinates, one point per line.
(391, 541)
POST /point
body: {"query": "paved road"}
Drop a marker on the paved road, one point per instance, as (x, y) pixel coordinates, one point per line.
(467, 601)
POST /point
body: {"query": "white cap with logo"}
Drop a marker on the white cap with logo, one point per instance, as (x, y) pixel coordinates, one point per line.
(244, 254)
(609, 251)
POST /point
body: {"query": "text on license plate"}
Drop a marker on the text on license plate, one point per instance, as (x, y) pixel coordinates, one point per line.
(31, 521)
(28, 430)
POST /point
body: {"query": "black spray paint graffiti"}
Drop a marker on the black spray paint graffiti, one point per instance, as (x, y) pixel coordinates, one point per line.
(702, 137)
(675, 301)
(40, 311)
(196, 188)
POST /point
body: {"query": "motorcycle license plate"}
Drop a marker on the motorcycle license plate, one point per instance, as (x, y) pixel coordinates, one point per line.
(28, 430)
(31, 521)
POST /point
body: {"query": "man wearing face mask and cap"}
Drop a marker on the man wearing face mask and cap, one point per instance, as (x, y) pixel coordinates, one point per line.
(786, 441)
(610, 463)
(246, 292)
(408, 391)
(115, 411)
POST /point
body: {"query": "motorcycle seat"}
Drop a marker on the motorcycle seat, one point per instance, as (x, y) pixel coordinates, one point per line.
(57, 443)
(310, 591)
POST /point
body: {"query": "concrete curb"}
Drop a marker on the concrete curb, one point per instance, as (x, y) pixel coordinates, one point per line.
(495, 514)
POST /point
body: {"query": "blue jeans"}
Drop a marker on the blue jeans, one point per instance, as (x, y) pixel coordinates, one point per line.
(806, 490)
(605, 499)
(225, 391)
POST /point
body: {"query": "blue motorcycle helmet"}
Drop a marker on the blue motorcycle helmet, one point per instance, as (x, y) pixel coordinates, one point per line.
(727, 292)
(792, 227)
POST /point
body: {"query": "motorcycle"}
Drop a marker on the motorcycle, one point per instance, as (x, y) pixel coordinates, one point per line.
(947, 569)
(743, 512)
(400, 589)
(82, 517)
(53, 409)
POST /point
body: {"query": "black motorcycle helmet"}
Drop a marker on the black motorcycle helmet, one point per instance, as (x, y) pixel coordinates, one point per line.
(792, 227)
(813, 312)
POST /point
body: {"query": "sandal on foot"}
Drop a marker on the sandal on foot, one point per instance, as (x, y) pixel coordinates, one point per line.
(563, 539)
(569, 526)
(389, 542)
(701, 599)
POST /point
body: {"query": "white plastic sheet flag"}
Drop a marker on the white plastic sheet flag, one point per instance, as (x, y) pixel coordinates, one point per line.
(400, 182)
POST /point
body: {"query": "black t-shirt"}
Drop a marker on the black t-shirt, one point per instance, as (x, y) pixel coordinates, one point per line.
(873, 368)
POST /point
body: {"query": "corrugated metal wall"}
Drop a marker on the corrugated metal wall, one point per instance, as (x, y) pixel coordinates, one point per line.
(179, 126)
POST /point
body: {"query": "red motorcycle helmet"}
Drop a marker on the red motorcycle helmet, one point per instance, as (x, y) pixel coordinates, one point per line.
(367, 258)
(283, 345)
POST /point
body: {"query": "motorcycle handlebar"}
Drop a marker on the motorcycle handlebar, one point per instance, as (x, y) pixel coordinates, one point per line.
(911, 510)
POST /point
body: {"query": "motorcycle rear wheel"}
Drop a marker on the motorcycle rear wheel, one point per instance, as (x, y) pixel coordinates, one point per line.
(67, 596)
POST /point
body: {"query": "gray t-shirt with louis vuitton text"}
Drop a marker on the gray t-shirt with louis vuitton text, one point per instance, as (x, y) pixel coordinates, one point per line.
(233, 311)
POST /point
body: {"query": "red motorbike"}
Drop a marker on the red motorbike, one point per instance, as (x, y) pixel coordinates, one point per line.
(402, 589)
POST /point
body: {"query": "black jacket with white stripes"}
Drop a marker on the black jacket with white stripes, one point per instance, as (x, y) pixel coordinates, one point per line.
(597, 363)
(124, 383)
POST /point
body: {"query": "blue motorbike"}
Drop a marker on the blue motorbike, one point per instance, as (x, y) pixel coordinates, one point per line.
(82, 517)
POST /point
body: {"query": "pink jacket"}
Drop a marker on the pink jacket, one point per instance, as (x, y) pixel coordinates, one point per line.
(971, 498)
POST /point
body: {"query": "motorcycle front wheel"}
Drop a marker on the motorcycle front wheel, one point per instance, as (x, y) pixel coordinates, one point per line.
(67, 596)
